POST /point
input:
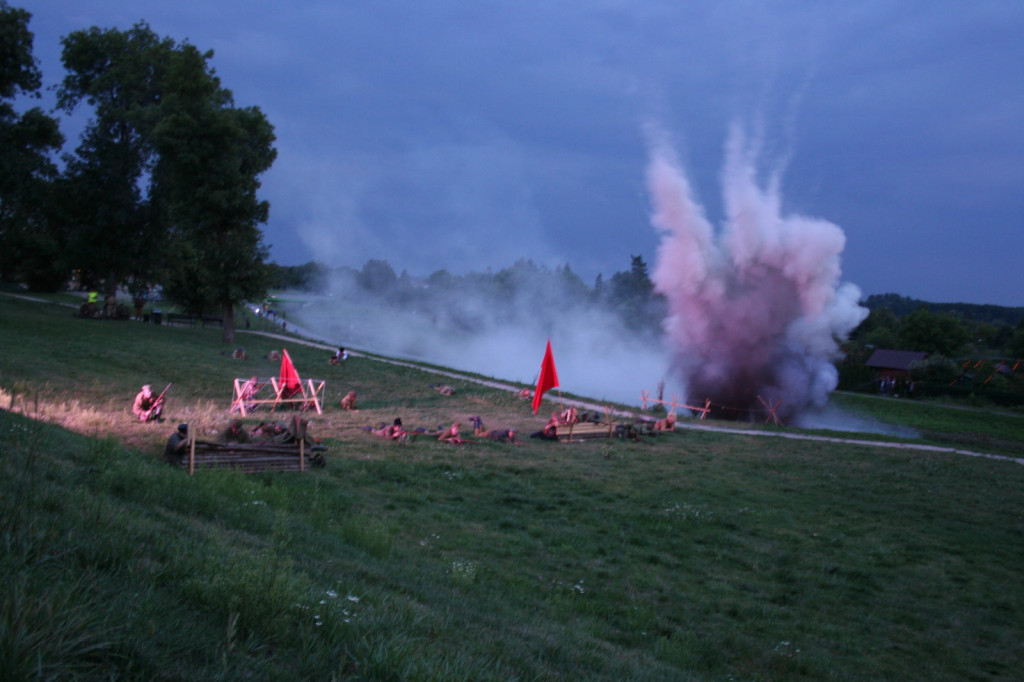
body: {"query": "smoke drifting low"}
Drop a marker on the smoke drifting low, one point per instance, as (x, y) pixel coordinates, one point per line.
(756, 309)
(468, 326)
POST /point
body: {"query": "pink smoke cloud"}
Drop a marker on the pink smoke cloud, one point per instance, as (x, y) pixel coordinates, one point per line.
(756, 309)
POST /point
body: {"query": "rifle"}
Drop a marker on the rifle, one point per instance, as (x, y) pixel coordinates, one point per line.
(160, 398)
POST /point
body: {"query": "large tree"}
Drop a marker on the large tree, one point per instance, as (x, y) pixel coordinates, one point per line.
(211, 155)
(164, 184)
(120, 74)
(30, 243)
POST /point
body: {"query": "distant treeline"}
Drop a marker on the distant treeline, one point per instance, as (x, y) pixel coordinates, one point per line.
(978, 313)
(947, 329)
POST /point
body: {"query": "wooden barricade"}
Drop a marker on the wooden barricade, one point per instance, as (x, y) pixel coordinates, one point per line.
(309, 395)
(249, 457)
(675, 404)
(587, 430)
(249, 394)
(584, 431)
(252, 392)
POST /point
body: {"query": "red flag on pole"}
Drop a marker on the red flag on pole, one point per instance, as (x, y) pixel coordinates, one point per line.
(288, 379)
(548, 377)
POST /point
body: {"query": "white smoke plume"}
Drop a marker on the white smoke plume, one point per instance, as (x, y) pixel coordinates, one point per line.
(756, 308)
(468, 332)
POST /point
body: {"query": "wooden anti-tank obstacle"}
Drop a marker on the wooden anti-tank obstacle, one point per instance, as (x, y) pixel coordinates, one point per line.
(674, 403)
(287, 388)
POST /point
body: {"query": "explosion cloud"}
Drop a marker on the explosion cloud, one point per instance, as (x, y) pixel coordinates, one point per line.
(756, 309)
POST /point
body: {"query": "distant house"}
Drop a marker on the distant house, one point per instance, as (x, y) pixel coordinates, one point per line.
(895, 364)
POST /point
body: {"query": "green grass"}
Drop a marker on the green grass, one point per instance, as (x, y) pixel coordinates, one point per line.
(693, 556)
(979, 430)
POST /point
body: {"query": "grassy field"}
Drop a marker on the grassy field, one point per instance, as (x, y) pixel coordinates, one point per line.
(698, 555)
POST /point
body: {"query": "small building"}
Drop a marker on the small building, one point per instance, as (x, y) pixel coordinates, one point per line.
(895, 364)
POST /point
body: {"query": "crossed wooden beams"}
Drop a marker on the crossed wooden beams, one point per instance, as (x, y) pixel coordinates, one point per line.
(252, 392)
(645, 397)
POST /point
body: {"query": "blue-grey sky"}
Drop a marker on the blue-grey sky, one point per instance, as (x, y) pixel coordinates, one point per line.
(467, 134)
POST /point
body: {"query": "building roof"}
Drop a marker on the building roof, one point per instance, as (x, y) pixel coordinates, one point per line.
(895, 359)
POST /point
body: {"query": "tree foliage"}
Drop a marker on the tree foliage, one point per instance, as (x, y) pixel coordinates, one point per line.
(30, 240)
(947, 329)
(311, 276)
(940, 334)
(211, 155)
(632, 294)
(902, 306)
(115, 237)
(164, 183)
(377, 276)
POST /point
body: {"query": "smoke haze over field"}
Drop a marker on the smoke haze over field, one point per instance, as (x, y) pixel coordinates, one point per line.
(755, 308)
(504, 337)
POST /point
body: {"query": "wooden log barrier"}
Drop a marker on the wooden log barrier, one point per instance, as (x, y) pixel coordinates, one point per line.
(250, 457)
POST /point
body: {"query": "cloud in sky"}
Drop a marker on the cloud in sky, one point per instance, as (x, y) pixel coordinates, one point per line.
(443, 134)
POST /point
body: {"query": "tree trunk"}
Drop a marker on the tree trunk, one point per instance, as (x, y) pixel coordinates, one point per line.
(228, 322)
(110, 297)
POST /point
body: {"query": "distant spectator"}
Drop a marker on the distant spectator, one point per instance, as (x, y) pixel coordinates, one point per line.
(340, 356)
(139, 301)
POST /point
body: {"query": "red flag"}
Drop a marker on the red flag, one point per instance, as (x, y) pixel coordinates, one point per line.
(288, 379)
(548, 377)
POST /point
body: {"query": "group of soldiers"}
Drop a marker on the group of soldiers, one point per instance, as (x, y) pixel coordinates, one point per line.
(271, 433)
(443, 434)
(149, 407)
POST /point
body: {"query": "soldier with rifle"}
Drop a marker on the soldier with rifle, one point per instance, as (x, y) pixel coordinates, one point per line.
(148, 407)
